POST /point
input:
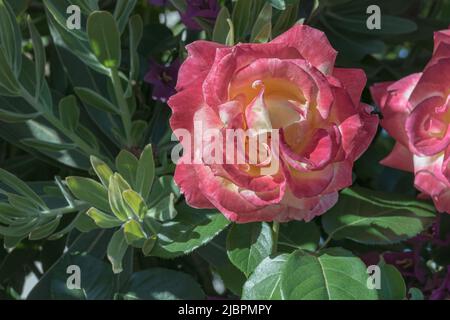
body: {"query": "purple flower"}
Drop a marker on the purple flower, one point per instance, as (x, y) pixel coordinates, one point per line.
(443, 291)
(158, 3)
(163, 79)
(205, 9)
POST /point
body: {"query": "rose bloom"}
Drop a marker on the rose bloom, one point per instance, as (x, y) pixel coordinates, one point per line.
(289, 84)
(416, 113)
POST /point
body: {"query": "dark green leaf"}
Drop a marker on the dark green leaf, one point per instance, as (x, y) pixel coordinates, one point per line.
(373, 217)
(163, 284)
(248, 244)
(333, 274)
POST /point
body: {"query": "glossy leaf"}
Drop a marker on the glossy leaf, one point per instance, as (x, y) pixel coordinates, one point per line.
(333, 274)
(248, 244)
(373, 217)
(264, 283)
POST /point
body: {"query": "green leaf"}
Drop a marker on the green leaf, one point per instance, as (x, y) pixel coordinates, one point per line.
(102, 219)
(138, 131)
(163, 284)
(19, 230)
(127, 165)
(248, 244)
(91, 98)
(298, 235)
(104, 38)
(215, 253)
(164, 210)
(76, 41)
(136, 203)
(45, 230)
(221, 28)
(69, 112)
(8, 82)
(286, 19)
(122, 13)
(117, 248)
(264, 283)
(262, 29)
(278, 4)
(21, 187)
(241, 17)
(23, 204)
(145, 172)
(84, 223)
(373, 217)
(149, 244)
(39, 56)
(415, 294)
(390, 25)
(10, 38)
(134, 234)
(392, 284)
(333, 274)
(87, 251)
(191, 229)
(102, 170)
(90, 191)
(136, 27)
(117, 185)
(14, 117)
(48, 146)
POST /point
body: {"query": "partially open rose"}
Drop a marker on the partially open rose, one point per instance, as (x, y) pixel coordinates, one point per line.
(288, 87)
(416, 112)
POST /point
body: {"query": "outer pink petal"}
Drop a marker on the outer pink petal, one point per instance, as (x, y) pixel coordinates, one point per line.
(395, 105)
(399, 158)
(226, 197)
(441, 37)
(306, 208)
(353, 80)
(198, 63)
(186, 178)
(312, 44)
(434, 81)
(366, 133)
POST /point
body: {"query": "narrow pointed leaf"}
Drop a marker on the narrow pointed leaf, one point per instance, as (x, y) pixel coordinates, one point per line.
(104, 38)
(102, 219)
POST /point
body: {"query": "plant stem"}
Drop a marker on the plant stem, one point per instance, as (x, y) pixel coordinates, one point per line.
(123, 106)
(276, 232)
(80, 143)
(78, 206)
(325, 243)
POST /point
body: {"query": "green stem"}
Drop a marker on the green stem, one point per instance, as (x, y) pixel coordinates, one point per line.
(78, 206)
(276, 232)
(123, 106)
(86, 148)
(325, 243)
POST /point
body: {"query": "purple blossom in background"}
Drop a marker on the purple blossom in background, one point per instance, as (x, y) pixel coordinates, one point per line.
(436, 286)
(158, 3)
(205, 9)
(163, 79)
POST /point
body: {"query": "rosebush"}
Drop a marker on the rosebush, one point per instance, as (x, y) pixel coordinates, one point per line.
(99, 99)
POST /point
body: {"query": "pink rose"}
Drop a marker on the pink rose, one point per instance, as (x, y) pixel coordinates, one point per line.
(290, 87)
(416, 112)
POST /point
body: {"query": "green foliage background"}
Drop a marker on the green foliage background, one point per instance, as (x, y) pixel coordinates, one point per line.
(78, 124)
